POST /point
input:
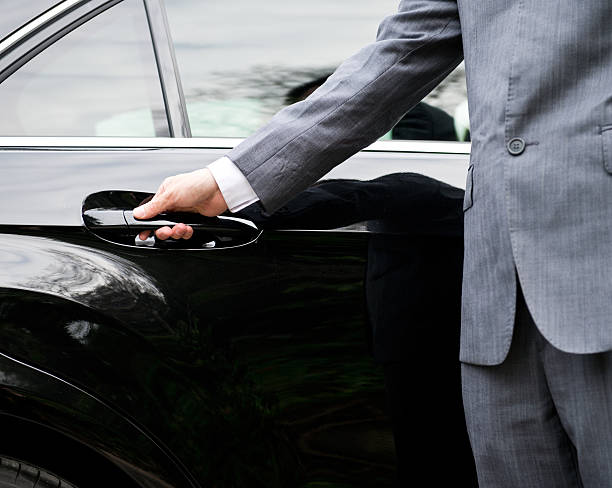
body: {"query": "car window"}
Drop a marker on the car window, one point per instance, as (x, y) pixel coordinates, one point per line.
(242, 61)
(16, 13)
(99, 80)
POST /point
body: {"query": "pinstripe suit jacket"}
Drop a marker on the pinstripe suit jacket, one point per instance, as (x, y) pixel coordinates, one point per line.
(539, 190)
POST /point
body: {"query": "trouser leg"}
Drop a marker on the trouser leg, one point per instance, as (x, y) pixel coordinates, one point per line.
(516, 433)
(581, 387)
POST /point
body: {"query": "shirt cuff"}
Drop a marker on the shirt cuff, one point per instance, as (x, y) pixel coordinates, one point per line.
(235, 188)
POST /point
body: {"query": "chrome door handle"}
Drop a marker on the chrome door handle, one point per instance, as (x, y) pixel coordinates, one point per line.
(117, 224)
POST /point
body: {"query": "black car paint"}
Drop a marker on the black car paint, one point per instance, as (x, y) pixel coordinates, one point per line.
(248, 366)
(243, 367)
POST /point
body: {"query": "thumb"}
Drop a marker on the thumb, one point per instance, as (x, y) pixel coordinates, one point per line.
(149, 209)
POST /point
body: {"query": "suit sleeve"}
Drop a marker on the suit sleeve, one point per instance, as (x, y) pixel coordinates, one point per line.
(368, 93)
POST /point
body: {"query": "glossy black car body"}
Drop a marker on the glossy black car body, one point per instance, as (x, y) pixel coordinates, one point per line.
(240, 358)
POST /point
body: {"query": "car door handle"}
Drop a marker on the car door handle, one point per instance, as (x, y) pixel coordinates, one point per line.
(98, 219)
(118, 225)
(223, 224)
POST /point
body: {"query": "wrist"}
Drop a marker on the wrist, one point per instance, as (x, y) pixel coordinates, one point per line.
(236, 191)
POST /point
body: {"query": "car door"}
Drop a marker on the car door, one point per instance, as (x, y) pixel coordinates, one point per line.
(369, 259)
(243, 357)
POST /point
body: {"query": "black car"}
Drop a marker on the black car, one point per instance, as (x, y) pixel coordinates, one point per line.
(255, 353)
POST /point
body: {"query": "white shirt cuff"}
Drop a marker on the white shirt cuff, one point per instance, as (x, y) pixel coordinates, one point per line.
(235, 188)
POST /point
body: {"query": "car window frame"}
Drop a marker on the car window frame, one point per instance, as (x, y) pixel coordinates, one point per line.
(21, 31)
(167, 67)
(34, 37)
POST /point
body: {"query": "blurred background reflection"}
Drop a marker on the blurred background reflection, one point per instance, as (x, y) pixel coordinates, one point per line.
(238, 60)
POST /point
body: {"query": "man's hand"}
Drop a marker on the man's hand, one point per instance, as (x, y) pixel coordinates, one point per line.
(189, 192)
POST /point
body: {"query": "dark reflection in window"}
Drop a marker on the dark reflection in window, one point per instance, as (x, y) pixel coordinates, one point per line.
(99, 80)
(16, 13)
(239, 60)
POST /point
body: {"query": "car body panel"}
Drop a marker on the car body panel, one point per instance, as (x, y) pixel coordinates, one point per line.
(29, 393)
(248, 366)
(265, 312)
(48, 184)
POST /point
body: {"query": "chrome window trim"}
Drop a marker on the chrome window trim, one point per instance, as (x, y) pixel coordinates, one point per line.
(84, 11)
(32, 45)
(37, 22)
(167, 67)
(397, 146)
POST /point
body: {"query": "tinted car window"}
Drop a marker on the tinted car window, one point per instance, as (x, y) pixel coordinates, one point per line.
(99, 80)
(242, 61)
(15, 13)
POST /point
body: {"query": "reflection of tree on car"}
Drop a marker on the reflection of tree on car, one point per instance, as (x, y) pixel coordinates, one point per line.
(238, 116)
(424, 122)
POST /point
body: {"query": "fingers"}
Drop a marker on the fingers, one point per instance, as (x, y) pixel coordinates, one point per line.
(179, 231)
(188, 233)
(163, 233)
(149, 209)
(191, 192)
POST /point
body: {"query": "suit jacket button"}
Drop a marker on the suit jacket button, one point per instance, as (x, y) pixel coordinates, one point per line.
(516, 146)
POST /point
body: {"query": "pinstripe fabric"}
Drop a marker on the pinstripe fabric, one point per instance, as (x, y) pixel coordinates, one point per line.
(540, 70)
(541, 418)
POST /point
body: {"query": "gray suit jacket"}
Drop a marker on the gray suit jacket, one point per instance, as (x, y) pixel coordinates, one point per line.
(537, 70)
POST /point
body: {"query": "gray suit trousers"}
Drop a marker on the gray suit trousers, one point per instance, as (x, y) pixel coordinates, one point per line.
(542, 418)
